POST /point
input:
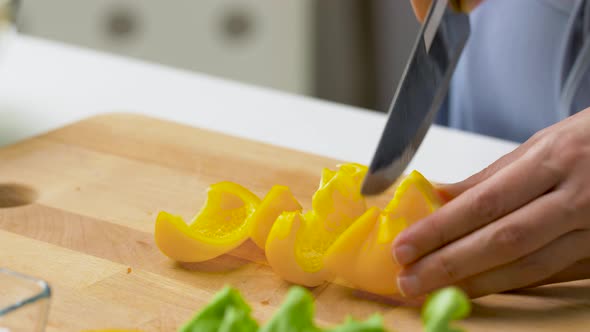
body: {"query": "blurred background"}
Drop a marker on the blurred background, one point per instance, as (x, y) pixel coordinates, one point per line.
(347, 51)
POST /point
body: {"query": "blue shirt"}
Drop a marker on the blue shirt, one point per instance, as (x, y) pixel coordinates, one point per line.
(525, 67)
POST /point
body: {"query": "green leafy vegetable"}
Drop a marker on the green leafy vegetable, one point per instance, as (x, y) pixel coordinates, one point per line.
(294, 315)
(227, 312)
(444, 306)
(373, 324)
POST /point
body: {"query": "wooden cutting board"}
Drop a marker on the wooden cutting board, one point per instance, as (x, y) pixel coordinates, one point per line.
(77, 208)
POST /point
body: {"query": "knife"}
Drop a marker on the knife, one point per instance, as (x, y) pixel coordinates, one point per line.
(420, 94)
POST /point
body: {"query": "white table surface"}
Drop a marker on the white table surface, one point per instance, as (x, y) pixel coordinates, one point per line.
(45, 85)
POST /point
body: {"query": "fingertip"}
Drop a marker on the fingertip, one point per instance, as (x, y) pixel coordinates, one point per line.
(399, 239)
(404, 254)
(399, 286)
(408, 285)
(397, 242)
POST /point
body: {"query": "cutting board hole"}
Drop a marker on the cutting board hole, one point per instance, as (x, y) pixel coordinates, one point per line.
(13, 194)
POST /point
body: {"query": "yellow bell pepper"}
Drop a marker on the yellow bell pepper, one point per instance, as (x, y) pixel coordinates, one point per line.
(338, 237)
(278, 200)
(297, 243)
(296, 266)
(222, 225)
(362, 254)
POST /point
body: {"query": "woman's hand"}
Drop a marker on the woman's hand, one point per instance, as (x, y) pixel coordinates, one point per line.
(421, 7)
(524, 220)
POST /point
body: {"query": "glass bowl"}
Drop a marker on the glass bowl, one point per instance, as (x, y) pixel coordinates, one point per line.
(24, 302)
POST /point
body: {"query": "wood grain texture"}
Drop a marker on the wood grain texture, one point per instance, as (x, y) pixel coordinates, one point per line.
(99, 184)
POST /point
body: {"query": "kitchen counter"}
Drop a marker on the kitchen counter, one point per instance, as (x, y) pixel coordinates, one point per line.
(46, 85)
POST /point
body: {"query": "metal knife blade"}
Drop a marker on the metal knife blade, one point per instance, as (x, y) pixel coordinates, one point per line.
(420, 94)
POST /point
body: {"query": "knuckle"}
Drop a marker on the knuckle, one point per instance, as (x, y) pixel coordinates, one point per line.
(447, 269)
(552, 168)
(486, 205)
(567, 210)
(539, 135)
(575, 205)
(438, 230)
(508, 239)
(565, 151)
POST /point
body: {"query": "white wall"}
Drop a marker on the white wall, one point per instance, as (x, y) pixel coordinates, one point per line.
(265, 42)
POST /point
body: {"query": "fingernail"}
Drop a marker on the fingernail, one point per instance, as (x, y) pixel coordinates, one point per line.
(408, 285)
(404, 254)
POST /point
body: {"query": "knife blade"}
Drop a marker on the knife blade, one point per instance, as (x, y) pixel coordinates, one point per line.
(420, 94)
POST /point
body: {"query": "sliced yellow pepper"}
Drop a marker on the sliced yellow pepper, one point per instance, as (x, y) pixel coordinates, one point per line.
(278, 200)
(221, 225)
(337, 237)
(297, 243)
(338, 201)
(362, 254)
(282, 256)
